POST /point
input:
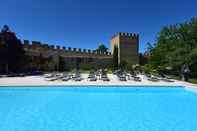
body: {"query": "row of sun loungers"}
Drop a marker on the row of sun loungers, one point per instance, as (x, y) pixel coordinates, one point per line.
(95, 75)
(158, 78)
(124, 76)
(102, 75)
(63, 77)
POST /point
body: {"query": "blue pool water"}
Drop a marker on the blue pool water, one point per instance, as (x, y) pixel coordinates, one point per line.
(97, 109)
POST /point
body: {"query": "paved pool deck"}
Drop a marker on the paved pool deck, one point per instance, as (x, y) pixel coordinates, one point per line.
(41, 81)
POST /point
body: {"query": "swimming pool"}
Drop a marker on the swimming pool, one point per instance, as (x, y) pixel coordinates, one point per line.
(97, 109)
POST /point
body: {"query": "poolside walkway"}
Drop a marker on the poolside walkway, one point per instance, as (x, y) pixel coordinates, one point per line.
(40, 81)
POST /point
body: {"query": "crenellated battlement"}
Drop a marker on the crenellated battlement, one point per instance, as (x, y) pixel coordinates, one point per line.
(125, 34)
(52, 55)
(36, 45)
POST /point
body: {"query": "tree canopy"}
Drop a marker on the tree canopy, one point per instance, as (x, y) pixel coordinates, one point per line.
(11, 51)
(102, 48)
(175, 46)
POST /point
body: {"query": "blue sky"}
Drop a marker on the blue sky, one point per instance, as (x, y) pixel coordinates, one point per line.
(85, 23)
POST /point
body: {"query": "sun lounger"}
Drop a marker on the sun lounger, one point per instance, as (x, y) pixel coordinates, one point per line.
(105, 79)
(52, 79)
(48, 75)
(66, 78)
(164, 78)
(137, 78)
(93, 79)
(154, 79)
(167, 80)
(122, 78)
(78, 79)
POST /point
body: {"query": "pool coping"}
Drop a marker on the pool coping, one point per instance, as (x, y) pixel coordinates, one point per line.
(95, 86)
(43, 87)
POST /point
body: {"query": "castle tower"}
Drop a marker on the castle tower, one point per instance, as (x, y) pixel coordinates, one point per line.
(127, 45)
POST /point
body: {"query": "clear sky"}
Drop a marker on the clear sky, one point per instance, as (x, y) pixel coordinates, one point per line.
(85, 23)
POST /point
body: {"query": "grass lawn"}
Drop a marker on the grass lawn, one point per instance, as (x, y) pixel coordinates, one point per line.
(191, 80)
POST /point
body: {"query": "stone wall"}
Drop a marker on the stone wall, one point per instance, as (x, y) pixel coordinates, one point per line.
(72, 57)
(127, 43)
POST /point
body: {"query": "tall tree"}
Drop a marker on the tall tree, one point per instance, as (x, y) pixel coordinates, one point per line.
(115, 58)
(61, 64)
(12, 50)
(102, 48)
(176, 45)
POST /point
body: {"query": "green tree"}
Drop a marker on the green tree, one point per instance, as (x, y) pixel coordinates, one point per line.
(124, 65)
(11, 49)
(115, 58)
(175, 45)
(102, 48)
(61, 64)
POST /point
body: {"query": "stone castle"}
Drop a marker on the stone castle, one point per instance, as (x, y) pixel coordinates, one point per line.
(49, 57)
